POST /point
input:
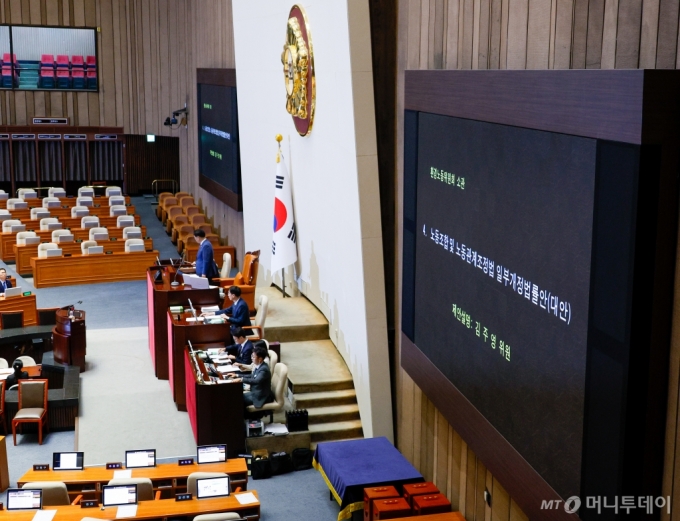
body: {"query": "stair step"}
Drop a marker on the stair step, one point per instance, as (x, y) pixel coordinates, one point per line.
(325, 399)
(336, 430)
(334, 413)
(317, 387)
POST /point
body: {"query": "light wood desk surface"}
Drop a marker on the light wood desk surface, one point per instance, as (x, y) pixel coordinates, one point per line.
(91, 269)
(160, 509)
(235, 467)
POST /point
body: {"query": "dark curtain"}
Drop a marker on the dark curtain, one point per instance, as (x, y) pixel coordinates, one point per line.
(107, 161)
(50, 161)
(5, 170)
(24, 162)
(76, 161)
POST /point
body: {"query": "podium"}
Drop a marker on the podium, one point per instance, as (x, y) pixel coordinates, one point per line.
(161, 294)
(69, 339)
(180, 333)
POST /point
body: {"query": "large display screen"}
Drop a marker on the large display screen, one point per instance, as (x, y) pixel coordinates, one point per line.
(218, 136)
(503, 255)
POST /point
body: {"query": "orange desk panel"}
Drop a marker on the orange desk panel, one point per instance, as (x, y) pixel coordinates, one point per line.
(161, 509)
(23, 254)
(91, 269)
(448, 516)
(21, 303)
(236, 468)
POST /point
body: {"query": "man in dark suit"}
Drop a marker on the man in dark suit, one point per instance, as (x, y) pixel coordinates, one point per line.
(242, 350)
(260, 380)
(205, 264)
(17, 375)
(240, 314)
(5, 282)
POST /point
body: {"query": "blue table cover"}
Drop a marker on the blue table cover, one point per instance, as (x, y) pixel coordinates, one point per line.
(350, 466)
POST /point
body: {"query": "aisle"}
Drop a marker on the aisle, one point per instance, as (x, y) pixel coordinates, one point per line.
(123, 405)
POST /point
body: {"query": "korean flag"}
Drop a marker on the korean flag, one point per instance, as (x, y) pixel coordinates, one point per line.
(284, 246)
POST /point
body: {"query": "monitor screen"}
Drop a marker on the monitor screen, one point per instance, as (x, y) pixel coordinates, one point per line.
(211, 454)
(23, 499)
(113, 495)
(140, 458)
(212, 487)
(67, 460)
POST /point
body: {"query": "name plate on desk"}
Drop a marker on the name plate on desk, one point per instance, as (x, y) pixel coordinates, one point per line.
(186, 461)
(183, 497)
(114, 466)
(89, 503)
(41, 466)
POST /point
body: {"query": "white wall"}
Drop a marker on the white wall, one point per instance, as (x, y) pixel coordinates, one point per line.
(334, 176)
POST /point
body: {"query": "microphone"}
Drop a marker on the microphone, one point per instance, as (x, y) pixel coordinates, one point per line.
(174, 282)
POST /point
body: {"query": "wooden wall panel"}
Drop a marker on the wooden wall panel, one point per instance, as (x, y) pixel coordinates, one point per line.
(518, 34)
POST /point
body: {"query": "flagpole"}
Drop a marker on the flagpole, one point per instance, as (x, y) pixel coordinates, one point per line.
(279, 138)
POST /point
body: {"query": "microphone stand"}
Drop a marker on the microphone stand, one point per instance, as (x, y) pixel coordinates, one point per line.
(174, 283)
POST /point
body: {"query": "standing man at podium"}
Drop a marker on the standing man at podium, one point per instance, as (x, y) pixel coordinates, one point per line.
(205, 264)
(4, 281)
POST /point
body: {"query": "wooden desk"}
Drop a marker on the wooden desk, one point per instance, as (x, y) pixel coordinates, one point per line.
(215, 410)
(90, 269)
(65, 201)
(69, 339)
(161, 509)
(21, 303)
(9, 239)
(180, 333)
(24, 254)
(65, 211)
(169, 478)
(160, 296)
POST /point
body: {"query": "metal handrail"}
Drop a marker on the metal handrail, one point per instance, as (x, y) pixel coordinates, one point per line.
(155, 182)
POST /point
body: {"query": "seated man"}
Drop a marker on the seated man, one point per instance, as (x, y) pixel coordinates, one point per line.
(260, 380)
(240, 314)
(4, 281)
(248, 367)
(242, 350)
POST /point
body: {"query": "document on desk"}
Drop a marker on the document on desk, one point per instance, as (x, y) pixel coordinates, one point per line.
(122, 474)
(227, 369)
(126, 511)
(209, 309)
(277, 429)
(246, 498)
(44, 515)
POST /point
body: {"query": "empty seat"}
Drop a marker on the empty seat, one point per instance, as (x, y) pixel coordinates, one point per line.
(99, 234)
(39, 213)
(63, 79)
(85, 191)
(116, 200)
(84, 200)
(78, 78)
(27, 193)
(62, 236)
(50, 223)
(114, 190)
(79, 211)
(91, 62)
(89, 221)
(31, 236)
(3, 195)
(10, 223)
(85, 245)
(77, 62)
(118, 209)
(54, 493)
(63, 61)
(51, 202)
(123, 221)
(43, 247)
(132, 245)
(28, 361)
(132, 232)
(47, 60)
(144, 487)
(16, 204)
(56, 192)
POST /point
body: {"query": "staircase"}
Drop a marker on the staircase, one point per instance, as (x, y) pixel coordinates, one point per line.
(317, 375)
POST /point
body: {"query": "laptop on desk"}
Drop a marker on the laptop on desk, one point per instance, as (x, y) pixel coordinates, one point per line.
(13, 292)
(24, 499)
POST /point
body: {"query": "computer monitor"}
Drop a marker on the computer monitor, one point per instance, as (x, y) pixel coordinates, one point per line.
(212, 487)
(67, 460)
(13, 292)
(211, 453)
(114, 495)
(140, 458)
(24, 499)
